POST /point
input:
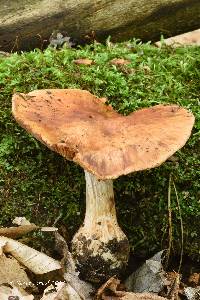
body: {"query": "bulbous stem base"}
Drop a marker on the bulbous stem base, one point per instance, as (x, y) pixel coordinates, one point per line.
(100, 247)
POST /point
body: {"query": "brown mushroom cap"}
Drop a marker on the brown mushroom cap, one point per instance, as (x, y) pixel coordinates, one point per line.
(80, 127)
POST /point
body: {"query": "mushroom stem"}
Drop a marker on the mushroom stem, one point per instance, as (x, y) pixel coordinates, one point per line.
(100, 204)
(100, 247)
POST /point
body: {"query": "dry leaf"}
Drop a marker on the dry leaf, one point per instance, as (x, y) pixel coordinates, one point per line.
(62, 291)
(134, 296)
(121, 64)
(15, 232)
(21, 221)
(192, 293)
(111, 284)
(83, 289)
(189, 38)
(49, 229)
(150, 277)
(5, 54)
(194, 279)
(38, 263)
(84, 61)
(140, 296)
(13, 293)
(2, 244)
(62, 248)
(171, 279)
(110, 291)
(174, 288)
(120, 61)
(12, 273)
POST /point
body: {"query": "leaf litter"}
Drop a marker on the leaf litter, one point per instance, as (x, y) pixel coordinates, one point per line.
(22, 266)
(150, 277)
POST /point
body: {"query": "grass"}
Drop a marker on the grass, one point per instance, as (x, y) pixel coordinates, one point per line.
(41, 185)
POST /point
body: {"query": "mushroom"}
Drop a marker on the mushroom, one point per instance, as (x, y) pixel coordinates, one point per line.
(82, 128)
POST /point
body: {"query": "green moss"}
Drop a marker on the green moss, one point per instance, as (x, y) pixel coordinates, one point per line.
(41, 185)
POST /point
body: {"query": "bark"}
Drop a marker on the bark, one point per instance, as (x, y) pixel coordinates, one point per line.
(25, 24)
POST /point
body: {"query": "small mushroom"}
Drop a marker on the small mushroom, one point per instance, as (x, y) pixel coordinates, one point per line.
(80, 127)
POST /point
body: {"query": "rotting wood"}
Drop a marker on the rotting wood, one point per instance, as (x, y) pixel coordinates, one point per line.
(26, 24)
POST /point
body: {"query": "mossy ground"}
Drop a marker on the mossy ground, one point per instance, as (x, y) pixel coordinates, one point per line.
(41, 185)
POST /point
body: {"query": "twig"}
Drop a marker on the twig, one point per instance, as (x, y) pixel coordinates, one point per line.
(169, 223)
(16, 44)
(181, 224)
(57, 219)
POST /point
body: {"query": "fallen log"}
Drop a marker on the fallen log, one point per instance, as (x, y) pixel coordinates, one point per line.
(25, 24)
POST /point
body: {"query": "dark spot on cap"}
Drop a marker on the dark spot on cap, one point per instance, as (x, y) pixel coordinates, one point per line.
(175, 109)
